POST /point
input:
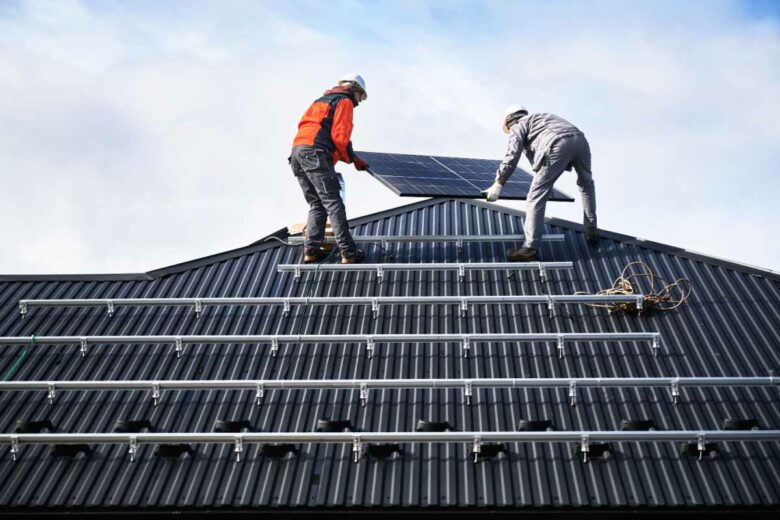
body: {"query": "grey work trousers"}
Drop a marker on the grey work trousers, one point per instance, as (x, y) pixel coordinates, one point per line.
(320, 184)
(568, 150)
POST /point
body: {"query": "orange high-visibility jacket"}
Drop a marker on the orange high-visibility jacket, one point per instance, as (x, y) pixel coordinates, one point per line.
(327, 124)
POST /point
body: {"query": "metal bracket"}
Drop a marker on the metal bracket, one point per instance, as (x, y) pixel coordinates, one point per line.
(476, 448)
(461, 273)
(297, 273)
(156, 393)
(239, 447)
(83, 347)
(198, 308)
(14, 447)
(585, 447)
(701, 444)
(23, 309)
(52, 393)
(179, 346)
(468, 390)
(561, 346)
(370, 344)
(466, 346)
(656, 344)
(374, 308)
(464, 308)
(573, 393)
(357, 448)
(259, 394)
(286, 308)
(551, 306)
(542, 272)
(133, 448)
(460, 245)
(110, 307)
(640, 300)
(363, 394)
(274, 346)
(380, 274)
(675, 390)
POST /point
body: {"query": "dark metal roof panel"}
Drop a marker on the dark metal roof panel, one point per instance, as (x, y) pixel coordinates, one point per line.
(730, 327)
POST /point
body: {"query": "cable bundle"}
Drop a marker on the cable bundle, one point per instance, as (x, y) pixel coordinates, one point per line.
(638, 278)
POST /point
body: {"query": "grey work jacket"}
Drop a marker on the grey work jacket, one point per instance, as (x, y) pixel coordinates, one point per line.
(534, 133)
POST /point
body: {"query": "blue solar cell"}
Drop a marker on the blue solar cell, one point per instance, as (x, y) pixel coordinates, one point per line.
(432, 176)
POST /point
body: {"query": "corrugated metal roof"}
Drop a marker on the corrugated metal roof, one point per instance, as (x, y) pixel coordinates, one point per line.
(730, 327)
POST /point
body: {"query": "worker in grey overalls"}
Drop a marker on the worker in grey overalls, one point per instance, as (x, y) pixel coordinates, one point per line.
(553, 145)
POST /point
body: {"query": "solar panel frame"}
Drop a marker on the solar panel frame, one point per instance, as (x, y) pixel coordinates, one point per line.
(409, 175)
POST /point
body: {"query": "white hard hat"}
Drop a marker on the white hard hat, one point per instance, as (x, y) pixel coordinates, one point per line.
(357, 80)
(510, 111)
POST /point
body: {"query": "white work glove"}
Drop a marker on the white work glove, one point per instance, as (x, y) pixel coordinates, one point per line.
(492, 193)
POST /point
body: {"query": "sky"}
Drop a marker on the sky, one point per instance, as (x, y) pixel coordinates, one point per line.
(136, 135)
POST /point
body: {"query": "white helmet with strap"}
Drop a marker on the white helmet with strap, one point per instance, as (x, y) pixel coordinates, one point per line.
(356, 81)
(512, 110)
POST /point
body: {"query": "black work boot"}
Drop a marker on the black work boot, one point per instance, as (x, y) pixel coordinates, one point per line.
(592, 236)
(314, 256)
(524, 254)
(354, 256)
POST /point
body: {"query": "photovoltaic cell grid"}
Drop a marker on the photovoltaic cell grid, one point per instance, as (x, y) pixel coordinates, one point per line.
(430, 176)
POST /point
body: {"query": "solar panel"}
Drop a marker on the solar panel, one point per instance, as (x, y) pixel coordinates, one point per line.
(429, 176)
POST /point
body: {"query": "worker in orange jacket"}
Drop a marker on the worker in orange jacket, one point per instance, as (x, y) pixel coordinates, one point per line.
(323, 139)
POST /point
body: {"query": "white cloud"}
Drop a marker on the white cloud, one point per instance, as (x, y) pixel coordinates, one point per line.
(128, 142)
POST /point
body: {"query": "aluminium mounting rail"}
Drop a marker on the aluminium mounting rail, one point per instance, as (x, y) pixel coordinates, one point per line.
(260, 386)
(551, 300)
(474, 439)
(460, 240)
(467, 340)
(460, 267)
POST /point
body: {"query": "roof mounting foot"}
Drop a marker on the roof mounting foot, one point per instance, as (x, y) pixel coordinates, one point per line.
(52, 393)
(83, 347)
(675, 390)
(380, 274)
(466, 346)
(259, 394)
(461, 273)
(584, 447)
(363, 394)
(156, 394)
(460, 246)
(198, 309)
(374, 308)
(238, 443)
(542, 273)
(286, 308)
(133, 449)
(551, 306)
(476, 448)
(656, 344)
(464, 308)
(274, 346)
(701, 444)
(110, 307)
(297, 274)
(572, 393)
(23, 308)
(14, 447)
(561, 346)
(370, 344)
(468, 390)
(357, 449)
(179, 346)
